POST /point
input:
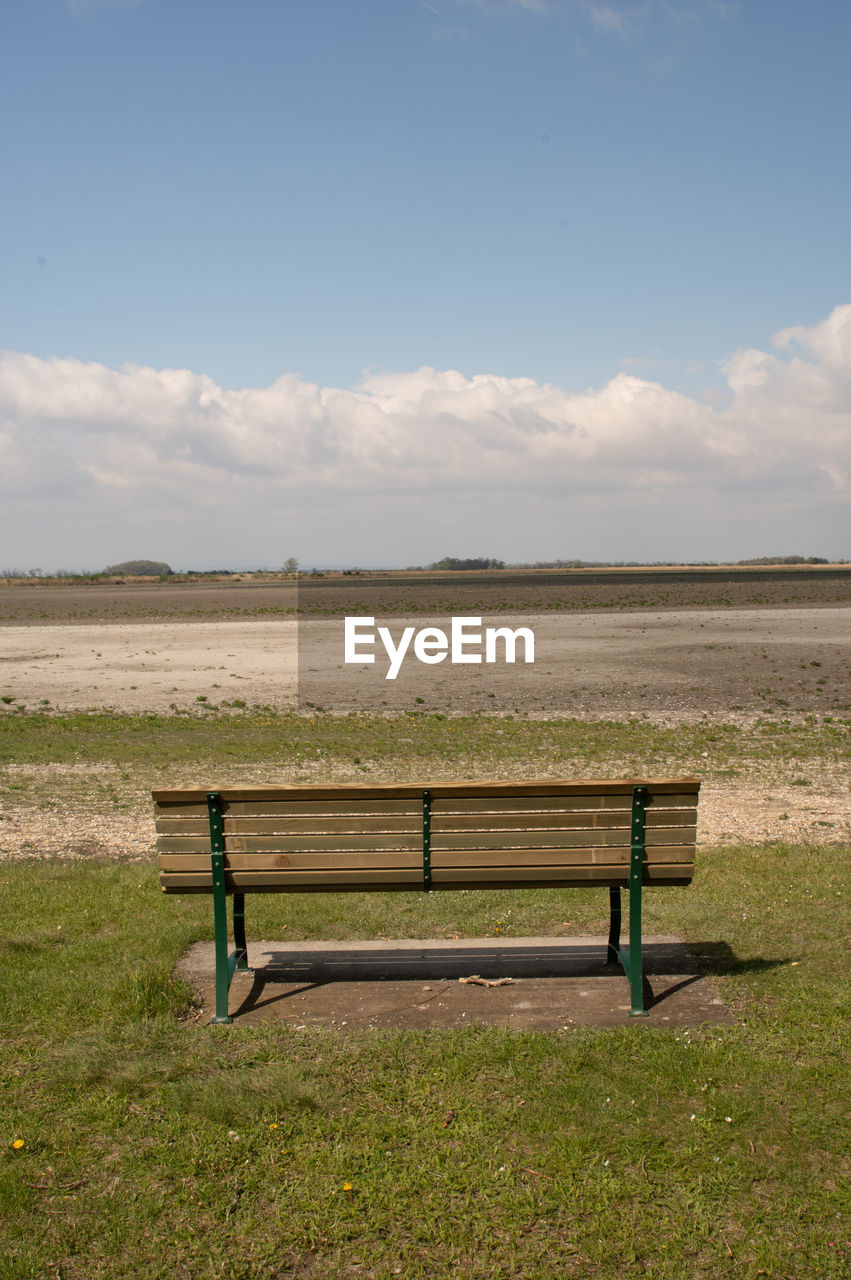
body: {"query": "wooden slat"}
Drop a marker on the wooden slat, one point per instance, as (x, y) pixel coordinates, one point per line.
(200, 862)
(553, 857)
(294, 844)
(180, 809)
(548, 804)
(182, 827)
(600, 881)
(184, 844)
(327, 882)
(598, 872)
(557, 820)
(253, 795)
(363, 807)
(554, 820)
(529, 804)
(286, 825)
(441, 841)
(440, 790)
(355, 809)
(323, 844)
(449, 878)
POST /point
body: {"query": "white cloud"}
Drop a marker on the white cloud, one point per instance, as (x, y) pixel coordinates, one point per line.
(623, 18)
(605, 16)
(152, 441)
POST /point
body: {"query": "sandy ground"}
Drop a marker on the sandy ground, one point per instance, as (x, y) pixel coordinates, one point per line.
(149, 666)
(670, 666)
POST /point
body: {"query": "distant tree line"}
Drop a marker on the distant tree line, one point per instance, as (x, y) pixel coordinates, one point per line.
(158, 569)
(657, 564)
(583, 564)
(451, 562)
(787, 560)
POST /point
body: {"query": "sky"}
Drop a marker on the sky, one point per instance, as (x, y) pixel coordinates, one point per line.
(375, 282)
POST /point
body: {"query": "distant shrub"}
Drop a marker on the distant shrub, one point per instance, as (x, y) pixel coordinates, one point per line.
(142, 568)
(451, 562)
(785, 560)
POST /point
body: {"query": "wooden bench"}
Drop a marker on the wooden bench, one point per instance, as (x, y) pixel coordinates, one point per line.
(473, 835)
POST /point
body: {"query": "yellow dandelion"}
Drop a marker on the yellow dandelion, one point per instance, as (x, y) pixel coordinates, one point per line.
(348, 1186)
(273, 1126)
(18, 1143)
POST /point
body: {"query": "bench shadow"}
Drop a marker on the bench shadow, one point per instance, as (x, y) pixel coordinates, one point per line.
(304, 970)
(716, 959)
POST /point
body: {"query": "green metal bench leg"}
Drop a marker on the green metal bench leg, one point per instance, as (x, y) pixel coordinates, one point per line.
(223, 966)
(631, 959)
(636, 959)
(224, 963)
(614, 945)
(239, 932)
(635, 972)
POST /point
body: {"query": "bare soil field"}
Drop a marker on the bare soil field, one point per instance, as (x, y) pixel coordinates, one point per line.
(51, 604)
(669, 667)
(39, 603)
(665, 643)
(575, 590)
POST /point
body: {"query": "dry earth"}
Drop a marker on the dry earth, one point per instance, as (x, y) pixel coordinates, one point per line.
(671, 667)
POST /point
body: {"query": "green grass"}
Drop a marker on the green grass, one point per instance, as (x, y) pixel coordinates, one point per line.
(149, 1147)
(263, 737)
(154, 1147)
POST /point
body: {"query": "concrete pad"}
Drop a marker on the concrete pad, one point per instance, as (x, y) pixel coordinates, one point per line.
(555, 983)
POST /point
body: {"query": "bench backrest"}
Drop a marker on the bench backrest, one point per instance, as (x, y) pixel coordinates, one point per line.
(441, 836)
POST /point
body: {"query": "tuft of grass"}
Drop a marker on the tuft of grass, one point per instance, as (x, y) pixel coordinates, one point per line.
(149, 991)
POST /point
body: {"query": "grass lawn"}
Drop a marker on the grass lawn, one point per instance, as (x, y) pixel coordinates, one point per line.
(135, 1143)
(154, 1147)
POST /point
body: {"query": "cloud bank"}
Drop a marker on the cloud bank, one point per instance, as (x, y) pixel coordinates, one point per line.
(172, 445)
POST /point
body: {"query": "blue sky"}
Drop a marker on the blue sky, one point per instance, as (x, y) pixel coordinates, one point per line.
(324, 198)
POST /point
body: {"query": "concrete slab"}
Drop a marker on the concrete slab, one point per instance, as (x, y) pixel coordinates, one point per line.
(555, 983)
